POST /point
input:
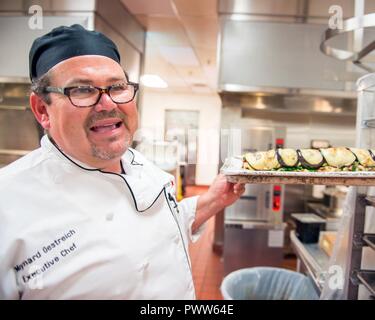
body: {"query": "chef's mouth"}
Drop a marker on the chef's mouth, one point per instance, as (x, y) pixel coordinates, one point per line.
(106, 127)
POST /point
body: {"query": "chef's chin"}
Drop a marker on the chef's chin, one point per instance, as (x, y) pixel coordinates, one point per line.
(111, 150)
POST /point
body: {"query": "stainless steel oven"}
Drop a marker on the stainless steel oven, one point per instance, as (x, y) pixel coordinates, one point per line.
(19, 131)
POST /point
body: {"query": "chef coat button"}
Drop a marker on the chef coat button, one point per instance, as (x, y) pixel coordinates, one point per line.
(109, 216)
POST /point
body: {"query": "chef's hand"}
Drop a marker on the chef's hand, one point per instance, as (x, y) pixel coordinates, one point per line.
(220, 194)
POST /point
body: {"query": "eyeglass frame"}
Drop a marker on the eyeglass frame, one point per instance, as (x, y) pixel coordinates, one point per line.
(66, 92)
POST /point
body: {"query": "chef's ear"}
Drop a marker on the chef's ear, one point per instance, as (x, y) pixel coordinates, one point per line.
(40, 110)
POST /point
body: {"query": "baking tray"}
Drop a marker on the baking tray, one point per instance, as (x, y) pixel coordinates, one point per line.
(232, 169)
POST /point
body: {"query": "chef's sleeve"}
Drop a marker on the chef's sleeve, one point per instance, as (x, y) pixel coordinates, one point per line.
(188, 209)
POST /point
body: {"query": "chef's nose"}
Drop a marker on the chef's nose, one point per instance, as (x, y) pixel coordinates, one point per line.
(105, 103)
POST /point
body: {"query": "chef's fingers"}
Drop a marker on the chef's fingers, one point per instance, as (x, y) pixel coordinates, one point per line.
(239, 188)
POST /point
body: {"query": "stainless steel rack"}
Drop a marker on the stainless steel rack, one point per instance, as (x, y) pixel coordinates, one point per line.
(311, 260)
(360, 22)
(360, 240)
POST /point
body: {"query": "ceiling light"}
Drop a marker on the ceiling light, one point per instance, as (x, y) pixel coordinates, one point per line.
(153, 81)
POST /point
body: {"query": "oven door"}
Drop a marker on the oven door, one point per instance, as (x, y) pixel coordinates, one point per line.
(254, 205)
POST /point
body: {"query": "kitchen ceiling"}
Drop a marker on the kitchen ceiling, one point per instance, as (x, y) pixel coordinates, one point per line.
(181, 41)
(182, 34)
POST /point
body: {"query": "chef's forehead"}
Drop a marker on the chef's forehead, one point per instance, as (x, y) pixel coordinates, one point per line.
(88, 69)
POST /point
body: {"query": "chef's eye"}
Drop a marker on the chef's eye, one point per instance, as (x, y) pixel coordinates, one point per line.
(119, 87)
(83, 91)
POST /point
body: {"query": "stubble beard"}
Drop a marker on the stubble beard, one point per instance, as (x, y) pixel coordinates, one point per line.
(105, 153)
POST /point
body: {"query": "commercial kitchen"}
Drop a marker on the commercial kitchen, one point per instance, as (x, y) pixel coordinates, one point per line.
(220, 79)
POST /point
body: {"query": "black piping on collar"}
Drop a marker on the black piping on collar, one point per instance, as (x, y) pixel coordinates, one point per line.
(133, 162)
(72, 161)
(163, 190)
(116, 174)
(122, 168)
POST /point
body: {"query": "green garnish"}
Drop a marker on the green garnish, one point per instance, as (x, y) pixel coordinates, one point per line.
(299, 168)
(355, 166)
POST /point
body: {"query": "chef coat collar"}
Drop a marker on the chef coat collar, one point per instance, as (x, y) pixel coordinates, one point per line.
(128, 160)
(144, 191)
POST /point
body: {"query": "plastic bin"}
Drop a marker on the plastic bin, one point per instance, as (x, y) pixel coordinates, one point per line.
(266, 283)
(309, 226)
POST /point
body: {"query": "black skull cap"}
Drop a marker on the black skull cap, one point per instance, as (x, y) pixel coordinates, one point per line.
(66, 42)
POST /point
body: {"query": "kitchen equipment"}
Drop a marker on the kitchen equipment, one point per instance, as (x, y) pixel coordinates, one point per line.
(354, 259)
(332, 222)
(334, 200)
(317, 191)
(19, 131)
(182, 126)
(308, 227)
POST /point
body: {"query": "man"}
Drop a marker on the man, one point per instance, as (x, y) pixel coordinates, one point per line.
(85, 216)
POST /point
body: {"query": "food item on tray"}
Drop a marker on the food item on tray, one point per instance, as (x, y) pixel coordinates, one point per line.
(287, 157)
(365, 157)
(328, 159)
(310, 158)
(338, 157)
(262, 160)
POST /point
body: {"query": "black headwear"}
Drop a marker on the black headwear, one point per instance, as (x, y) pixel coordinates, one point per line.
(66, 42)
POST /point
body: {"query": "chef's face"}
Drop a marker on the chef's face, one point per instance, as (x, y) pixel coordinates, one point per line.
(95, 135)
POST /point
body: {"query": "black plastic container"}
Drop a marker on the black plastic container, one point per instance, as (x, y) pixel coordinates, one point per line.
(308, 227)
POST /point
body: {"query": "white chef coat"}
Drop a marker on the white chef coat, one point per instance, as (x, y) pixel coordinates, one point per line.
(68, 231)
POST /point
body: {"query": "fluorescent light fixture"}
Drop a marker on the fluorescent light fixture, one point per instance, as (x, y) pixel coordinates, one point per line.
(153, 81)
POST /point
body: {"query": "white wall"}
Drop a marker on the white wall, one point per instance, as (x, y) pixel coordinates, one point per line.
(154, 103)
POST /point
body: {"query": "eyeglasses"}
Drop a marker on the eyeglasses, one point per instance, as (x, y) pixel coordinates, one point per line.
(88, 96)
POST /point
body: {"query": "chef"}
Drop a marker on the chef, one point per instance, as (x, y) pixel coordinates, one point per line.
(85, 216)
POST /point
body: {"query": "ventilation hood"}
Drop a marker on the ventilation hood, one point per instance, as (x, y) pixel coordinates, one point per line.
(274, 48)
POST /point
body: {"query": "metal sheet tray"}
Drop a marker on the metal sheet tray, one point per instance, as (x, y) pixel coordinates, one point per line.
(232, 169)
